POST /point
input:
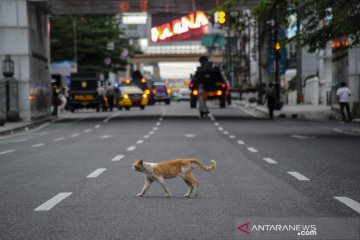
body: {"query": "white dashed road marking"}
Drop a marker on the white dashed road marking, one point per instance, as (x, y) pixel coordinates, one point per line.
(151, 132)
(20, 140)
(7, 151)
(155, 128)
(96, 173)
(189, 135)
(302, 137)
(220, 128)
(75, 135)
(58, 139)
(299, 176)
(270, 160)
(251, 149)
(140, 141)
(87, 130)
(158, 123)
(131, 148)
(225, 132)
(53, 202)
(118, 158)
(38, 145)
(146, 136)
(240, 142)
(350, 203)
(97, 126)
(232, 136)
(106, 136)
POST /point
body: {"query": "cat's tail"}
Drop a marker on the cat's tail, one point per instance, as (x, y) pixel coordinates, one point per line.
(211, 167)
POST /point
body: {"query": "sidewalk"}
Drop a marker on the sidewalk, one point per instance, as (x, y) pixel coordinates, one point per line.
(308, 112)
(10, 128)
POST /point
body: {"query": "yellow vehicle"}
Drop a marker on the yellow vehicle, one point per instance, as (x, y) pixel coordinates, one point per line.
(132, 96)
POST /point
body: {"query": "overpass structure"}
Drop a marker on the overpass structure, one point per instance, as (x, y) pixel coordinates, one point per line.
(25, 36)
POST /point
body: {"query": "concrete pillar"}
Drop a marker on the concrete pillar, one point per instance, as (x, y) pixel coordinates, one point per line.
(24, 34)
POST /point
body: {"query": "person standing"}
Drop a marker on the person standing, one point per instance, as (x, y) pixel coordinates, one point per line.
(342, 96)
(270, 98)
(110, 92)
(55, 100)
(101, 92)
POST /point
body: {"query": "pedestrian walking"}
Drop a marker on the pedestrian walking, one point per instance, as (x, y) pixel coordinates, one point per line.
(270, 98)
(203, 109)
(342, 96)
(62, 101)
(110, 92)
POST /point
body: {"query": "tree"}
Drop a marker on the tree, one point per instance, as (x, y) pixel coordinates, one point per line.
(93, 34)
(322, 20)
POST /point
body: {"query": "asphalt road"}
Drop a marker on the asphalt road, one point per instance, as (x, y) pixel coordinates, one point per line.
(72, 179)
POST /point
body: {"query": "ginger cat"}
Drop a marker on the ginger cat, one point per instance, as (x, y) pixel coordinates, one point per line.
(170, 169)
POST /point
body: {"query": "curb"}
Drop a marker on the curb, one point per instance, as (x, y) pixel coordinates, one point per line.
(26, 127)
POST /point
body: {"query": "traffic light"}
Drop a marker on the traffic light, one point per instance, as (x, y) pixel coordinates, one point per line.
(277, 46)
(220, 17)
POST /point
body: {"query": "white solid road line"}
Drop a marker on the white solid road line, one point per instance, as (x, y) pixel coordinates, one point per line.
(118, 158)
(270, 160)
(58, 139)
(299, 176)
(96, 173)
(131, 148)
(251, 149)
(140, 141)
(350, 203)
(53, 202)
(7, 151)
(38, 145)
(240, 142)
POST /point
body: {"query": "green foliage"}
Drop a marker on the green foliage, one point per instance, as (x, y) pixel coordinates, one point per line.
(93, 35)
(341, 18)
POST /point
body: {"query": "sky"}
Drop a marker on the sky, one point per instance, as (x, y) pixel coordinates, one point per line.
(177, 69)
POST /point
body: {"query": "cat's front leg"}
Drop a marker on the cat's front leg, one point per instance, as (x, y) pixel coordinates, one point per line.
(146, 187)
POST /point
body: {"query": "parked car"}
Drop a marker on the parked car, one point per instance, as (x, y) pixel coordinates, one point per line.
(132, 96)
(183, 94)
(160, 93)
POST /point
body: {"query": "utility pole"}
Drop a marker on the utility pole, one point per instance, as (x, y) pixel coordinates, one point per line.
(298, 60)
(277, 48)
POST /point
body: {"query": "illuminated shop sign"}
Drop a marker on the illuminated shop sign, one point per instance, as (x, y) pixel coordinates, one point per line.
(189, 27)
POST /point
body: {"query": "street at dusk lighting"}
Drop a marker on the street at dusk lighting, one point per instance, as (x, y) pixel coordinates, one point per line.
(8, 67)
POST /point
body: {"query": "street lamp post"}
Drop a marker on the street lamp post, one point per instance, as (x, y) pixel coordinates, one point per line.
(11, 90)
